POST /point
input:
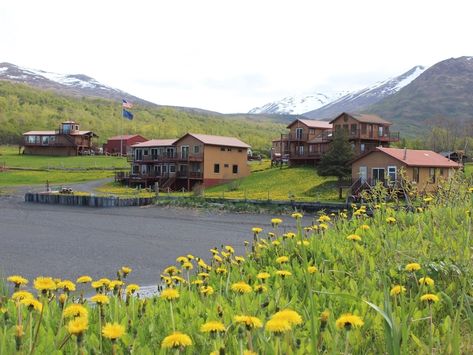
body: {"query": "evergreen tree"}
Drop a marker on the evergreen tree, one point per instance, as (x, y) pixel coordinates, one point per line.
(336, 161)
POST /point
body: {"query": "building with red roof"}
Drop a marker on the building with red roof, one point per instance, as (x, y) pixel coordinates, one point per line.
(121, 145)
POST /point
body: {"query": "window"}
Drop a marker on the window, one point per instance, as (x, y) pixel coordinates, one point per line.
(240, 150)
(353, 129)
(392, 173)
(222, 149)
(363, 128)
(225, 165)
(415, 174)
(154, 153)
(312, 131)
(442, 172)
(165, 169)
(380, 131)
(196, 149)
(172, 168)
(216, 168)
(145, 151)
(185, 152)
(378, 175)
(30, 139)
(362, 147)
(432, 172)
(298, 133)
(229, 149)
(45, 140)
(235, 169)
(136, 169)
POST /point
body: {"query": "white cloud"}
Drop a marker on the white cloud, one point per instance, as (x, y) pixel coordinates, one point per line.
(232, 55)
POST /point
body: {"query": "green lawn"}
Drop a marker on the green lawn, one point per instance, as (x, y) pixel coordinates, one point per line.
(9, 157)
(299, 183)
(23, 177)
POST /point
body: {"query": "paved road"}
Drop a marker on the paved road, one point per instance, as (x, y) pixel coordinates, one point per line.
(65, 242)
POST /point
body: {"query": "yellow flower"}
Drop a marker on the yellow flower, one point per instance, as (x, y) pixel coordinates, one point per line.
(426, 281)
(276, 242)
(190, 256)
(248, 321)
(84, 279)
(100, 299)
(132, 288)
(276, 221)
(241, 287)
(364, 227)
(278, 326)
(354, 237)
(182, 259)
(206, 290)
(290, 235)
(239, 259)
(212, 327)
(75, 310)
(283, 273)
(19, 331)
(17, 280)
(32, 303)
(176, 340)
(256, 230)
(44, 284)
(297, 215)
(97, 284)
(221, 270)
(429, 298)
(282, 259)
(398, 289)
(263, 276)
(412, 267)
(113, 331)
(323, 226)
(217, 258)
(271, 234)
(348, 320)
(171, 270)
(126, 270)
(169, 294)
(324, 218)
(197, 282)
(428, 199)
(304, 243)
(66, 285)
(203, 275)
(78, 326)
(229, 249)
(104, 281)
(62, 298)
(292, 317)
(324, 316)
(312, 269)
(115, 284)
(21, 295)
(187, 265)
(390, 220)
(249, 352)
(260, 288)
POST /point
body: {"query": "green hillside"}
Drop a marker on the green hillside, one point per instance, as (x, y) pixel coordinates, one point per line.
(23, 108)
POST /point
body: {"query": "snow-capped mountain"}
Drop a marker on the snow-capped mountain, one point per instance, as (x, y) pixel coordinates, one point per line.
(357, 101)
(74, 85)
(297, 104)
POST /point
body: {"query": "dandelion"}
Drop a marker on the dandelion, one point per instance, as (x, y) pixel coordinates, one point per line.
(17, 280)
(390, 220)
(104, 281)
(115, 285)
(212, 327)
(66, 285)
(132, 288)
(182, 259)
(278, 326)
(260, 288)
(97, 284)
(292, 317)
(207, 290)
(187, 265)
(283, 273)
(171, 270)
(354, 237)
(84, 279)
(364, 227)
(113, 331)
(62, 299)
(256, 230)
(78, 326)
(276, 221)
(323, 226)
(190, 256)
(263, 276)
(221, 271)
(217, 258)
(239, 259)
(397, 290)
(428, 199)
(241, 287)
(229, 249)
(324, 316)
(32, 303)
(304, 243)
(100, 299)
(170, 294)
(203, 275)
(290, 235)
(249, 321)
(276, 243)
(176, 340)
(21, 295)
(324, 218)
(75, 310)
(348, 320)
(126, 270)
(44, 284)
(430, 298)
(311, 269)
(282, 259)
(412, 267)
(426, 281)
(297, 215)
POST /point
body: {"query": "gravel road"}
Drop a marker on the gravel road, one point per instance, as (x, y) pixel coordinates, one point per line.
(66, 241)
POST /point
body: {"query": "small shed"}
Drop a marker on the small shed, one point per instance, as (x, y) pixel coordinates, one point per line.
(455, 155)
(123, 143)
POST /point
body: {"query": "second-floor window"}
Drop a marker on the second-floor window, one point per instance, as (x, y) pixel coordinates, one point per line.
(353, 129)
(216, 168)
(196, 149)
(299, 133)
(235, 169)
(380, 131)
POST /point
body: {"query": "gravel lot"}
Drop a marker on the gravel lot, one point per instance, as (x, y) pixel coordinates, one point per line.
(66, 242)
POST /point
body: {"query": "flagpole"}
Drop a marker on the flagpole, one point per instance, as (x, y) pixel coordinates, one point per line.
(121, 134)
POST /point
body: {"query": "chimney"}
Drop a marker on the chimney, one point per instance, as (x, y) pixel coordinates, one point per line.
(405, 153)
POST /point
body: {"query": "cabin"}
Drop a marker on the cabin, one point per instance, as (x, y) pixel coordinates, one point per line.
(422, 168)
(67, 140)
(455, 155)
(365, 131)
(189, 160)
(121, 145)
(305, 143)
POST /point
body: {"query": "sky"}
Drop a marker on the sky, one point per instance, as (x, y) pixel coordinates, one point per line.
(230, 56)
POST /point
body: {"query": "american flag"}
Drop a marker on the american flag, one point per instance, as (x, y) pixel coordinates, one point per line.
(126, 104)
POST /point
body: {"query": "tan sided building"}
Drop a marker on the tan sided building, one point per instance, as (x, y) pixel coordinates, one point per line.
(424, 168)
(190, 160)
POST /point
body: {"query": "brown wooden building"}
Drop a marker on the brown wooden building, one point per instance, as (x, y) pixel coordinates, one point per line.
(123, 143)
(192, 159)
(424, 168)
(67, 140)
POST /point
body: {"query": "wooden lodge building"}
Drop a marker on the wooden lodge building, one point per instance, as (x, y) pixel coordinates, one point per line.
(308, 140)
(123, 143)
(424, 168)
(187, 161)
(67, 140)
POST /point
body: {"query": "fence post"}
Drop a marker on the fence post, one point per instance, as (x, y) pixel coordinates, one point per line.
(268, 195)
(156, 188)
(245, 195)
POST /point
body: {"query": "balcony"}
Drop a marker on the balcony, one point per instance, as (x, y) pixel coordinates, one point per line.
(306, 155)
(166, 157)
(301, 137)
(386, 137)
(189, 175)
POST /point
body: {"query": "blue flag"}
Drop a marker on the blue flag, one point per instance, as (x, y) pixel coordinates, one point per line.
(127, 114)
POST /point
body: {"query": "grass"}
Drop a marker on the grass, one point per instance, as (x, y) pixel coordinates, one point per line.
(21, 177)
(9, 157)
(333, 265)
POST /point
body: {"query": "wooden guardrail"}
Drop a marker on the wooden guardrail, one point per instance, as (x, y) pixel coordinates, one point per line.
(87, 200)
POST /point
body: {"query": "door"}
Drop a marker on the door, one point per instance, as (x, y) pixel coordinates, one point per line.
(378, 175)
(363, 173)
(185, 152)
(299, 134)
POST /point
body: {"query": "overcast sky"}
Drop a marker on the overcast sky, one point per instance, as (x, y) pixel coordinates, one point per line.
(230, 56)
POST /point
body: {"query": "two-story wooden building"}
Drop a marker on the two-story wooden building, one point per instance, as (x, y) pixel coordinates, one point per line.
(365, 132)
(67, 140)
(121, 145)
(189, 160)
(305, 143)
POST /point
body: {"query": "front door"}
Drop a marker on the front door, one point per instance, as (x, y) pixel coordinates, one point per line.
(185, 152)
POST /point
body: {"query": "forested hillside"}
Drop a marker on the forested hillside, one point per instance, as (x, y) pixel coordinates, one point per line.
(23, 108)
